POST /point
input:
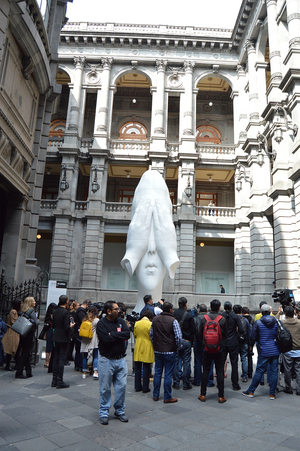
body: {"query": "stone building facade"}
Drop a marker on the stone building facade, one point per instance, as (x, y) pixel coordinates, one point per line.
(216, 111)
(29, 38)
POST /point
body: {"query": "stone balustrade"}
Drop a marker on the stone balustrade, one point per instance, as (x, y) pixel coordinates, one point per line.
(220, 212)
(48, 204)
(81, 205)
(55, 142)
(128, 145)
(118, 207)
(215, 149)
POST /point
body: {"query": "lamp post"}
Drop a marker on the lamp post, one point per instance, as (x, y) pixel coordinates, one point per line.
(263, 144)
(278, 134)
(188, 190)
(242, 173)
(95, 184)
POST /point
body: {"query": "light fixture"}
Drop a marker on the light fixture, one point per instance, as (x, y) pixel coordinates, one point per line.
(209, 177)
(128, 173)
(278, 135)
(133, 100)
(64, 184)
(242, 173)
(188, 190)
(263, 144)
(39, 236)
(95, 184)
(202, 244)
(47, 170)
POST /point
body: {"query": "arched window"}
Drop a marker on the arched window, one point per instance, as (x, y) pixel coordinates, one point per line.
(57, 128)
(208, 134)
(133, 130)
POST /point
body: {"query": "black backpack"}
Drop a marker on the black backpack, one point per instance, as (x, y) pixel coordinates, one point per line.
(243, 337)
(284, 338)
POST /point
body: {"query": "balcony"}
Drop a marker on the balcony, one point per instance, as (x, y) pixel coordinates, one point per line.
(216, 152)
(48, 204)
(126, 146)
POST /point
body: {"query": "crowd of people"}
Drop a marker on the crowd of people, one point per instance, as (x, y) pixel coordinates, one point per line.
(165, 339)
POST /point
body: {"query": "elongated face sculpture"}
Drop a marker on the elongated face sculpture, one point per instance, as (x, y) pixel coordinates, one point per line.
(151, 240)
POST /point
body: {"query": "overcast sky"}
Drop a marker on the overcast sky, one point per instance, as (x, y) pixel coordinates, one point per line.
(199, 13)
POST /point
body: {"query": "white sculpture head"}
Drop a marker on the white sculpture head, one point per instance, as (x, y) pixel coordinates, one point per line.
(151, 241)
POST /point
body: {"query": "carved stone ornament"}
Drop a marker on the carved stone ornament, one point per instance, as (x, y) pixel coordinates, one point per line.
(292, 17)
(73, 127)
(93, 76)
(79, 62)
(250, 46)
(175, 81)
(107, 63)
(188, 131)
(161, 65)
(101, 128)
(215, 68)
(159, 131)
(189, 66)
(134, 65)
(294, 42)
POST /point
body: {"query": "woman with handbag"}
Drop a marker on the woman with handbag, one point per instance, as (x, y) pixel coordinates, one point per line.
(90, 345)
(11, 339)
(27, 340)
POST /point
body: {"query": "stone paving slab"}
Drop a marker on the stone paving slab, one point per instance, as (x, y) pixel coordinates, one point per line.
(35, 416)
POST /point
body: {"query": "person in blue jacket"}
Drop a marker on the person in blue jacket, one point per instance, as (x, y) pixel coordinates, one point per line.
(264, 332)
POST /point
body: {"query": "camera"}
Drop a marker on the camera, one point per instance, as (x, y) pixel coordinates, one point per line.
(132, 318)
(285, 297)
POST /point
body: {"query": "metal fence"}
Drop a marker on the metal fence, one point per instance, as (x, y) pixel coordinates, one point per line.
(8, 294)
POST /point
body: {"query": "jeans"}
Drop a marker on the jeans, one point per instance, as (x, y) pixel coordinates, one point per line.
(183, 354)
(95, 360)
(289, 364)
(112, 371)
(243, 351)
(233, 355)
(208, 358)
(138, 376)
(262, 364)
(167, 362)
(198, 352)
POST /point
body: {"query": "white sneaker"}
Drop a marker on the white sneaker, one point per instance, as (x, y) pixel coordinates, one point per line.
(95, 375)
(83, 376)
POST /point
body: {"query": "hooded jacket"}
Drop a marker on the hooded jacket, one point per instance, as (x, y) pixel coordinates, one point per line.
(264, 332)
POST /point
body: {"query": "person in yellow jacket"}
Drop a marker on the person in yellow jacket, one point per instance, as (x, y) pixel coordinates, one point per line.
(143, 352)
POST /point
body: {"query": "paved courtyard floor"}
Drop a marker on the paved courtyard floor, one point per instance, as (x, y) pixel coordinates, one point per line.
(34, 416)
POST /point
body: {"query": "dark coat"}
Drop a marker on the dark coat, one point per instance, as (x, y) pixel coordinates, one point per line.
(188, 327)
(264, 332)
(61, 325)
(234, 323)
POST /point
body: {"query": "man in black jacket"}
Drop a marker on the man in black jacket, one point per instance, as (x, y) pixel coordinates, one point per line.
(112, 332)
(183, 356)
(234, 325)
(208, 357)
(62, 325)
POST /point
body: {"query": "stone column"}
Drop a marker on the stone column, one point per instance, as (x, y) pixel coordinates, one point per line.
(93, 255)
(261, 68)
(100, 129)
(240, 98)
(297, 213)
(253, 90)
(61, 248)
(242, 261)
(262, 259)
(187, 132)
(274, 93)
(71, 133)
(159, 118)
(185, 273)
(293, 20)
(285, 242)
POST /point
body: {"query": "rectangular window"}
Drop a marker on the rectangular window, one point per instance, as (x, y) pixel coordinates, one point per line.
(203, 199)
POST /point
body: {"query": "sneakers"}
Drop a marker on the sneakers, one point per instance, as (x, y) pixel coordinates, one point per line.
(104, 421)
(122, 417)
(201, 398)
(245, 379)
(248, 394)
(272, 397)
(95, 376)
(84, 376)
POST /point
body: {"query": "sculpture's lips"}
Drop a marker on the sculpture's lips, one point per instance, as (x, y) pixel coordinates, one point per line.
(150, 269)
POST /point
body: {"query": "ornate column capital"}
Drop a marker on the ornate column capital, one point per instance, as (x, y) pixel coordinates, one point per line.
(79, 62)
(161, 65)
(189, 66)
(240, 70)
(271, 3)
(249, 46)
(107, 63)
